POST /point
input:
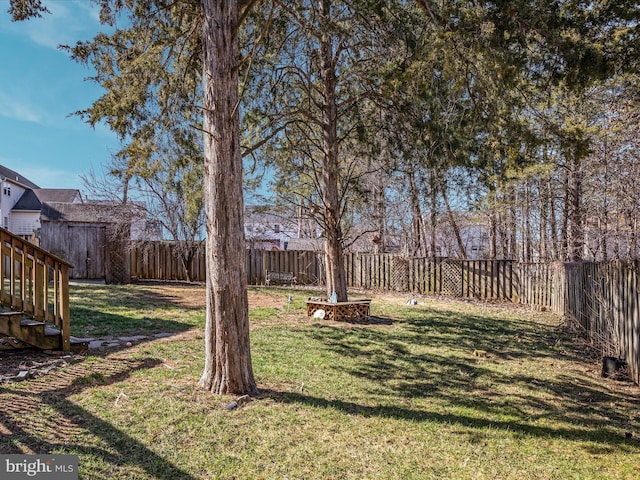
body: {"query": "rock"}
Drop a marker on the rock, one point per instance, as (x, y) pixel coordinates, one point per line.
(163, 335)
(24, 374)
(134, 338)
(231, 406)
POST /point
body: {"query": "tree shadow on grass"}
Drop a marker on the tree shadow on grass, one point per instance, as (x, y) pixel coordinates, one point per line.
(141, 294)
(433, 359)
(38, 417)
(95, 309)
(573, 433)
(95, 322)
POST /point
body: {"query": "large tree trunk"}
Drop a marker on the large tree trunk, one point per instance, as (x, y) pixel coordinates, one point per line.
(227, 354)
(334, 257)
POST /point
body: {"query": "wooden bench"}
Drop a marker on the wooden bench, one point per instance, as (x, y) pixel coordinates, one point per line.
(351, 310)
(285, 278)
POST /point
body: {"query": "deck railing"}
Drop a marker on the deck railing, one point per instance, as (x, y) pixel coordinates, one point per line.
(35, 283)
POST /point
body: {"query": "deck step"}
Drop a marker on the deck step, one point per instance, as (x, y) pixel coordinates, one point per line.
(27, 322)
(31, 332)
(51, 331)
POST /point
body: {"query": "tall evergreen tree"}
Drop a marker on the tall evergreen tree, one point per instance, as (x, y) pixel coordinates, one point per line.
(151, 71)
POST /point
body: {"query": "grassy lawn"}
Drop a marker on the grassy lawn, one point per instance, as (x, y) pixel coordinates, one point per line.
(443, 389)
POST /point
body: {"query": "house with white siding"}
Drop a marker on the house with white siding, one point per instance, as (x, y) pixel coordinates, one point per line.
(21, 202)
(23, 207)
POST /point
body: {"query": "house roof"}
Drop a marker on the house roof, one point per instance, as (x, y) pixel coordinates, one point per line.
(32, 200)
(28, 202)
(309, 244)
(86, 212)
(15, 177)
(58, 195)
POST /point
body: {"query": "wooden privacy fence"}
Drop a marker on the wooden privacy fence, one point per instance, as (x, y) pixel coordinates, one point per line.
(161, 261)
(482, 279)
(602, 299)
(490, 279)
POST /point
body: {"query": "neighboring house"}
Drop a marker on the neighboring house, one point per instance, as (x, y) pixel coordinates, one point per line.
(93, 236)
(14, 186)
(21, 202)
(275, 228)
(474, 233)
(271, 228)
(268, 229)
(25, 214)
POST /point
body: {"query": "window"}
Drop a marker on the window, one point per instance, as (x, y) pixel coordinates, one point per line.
(5, 223)
(276, 228)
(7, 190)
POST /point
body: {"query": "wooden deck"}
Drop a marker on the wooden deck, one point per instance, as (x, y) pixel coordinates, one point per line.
(34, 288)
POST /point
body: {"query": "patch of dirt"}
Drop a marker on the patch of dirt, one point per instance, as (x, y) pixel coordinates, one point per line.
(20, 364)
(192, 296)
(263, 300)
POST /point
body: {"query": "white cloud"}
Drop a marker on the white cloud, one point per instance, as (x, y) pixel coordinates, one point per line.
(89, 8)
(67, 23)
(19, 110)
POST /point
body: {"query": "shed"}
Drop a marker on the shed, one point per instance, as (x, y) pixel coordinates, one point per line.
(94, 237)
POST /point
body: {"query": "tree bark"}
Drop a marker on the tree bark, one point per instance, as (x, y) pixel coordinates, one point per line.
(526, 233)
(543, 200)
(433, 218)
(512, 226)
(454, 224)
(336, 275)
(228, 367)
(415, 242)
(553, 224)
(576, 217)
(564, 233)
(380, 203)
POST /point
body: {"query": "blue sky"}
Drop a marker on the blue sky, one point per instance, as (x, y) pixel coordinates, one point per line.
(39, 88)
